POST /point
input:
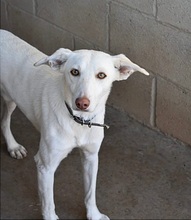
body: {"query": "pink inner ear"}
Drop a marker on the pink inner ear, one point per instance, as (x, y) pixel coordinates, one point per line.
(124, 69)
(59, 62)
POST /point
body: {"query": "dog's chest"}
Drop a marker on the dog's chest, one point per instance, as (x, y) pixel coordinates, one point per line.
(82, 136)
(85, 136)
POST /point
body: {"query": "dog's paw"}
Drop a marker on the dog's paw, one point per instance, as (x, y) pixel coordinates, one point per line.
(18, 152)
(100, 217)
(96, 215)
(104, 217)
(50, 217)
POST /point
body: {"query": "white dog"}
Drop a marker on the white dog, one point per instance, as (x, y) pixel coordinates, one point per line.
(67, 106)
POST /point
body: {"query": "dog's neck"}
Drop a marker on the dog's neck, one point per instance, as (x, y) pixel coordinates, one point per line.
(82, 121)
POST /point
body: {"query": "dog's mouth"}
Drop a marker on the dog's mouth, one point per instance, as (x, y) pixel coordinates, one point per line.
(80, 110)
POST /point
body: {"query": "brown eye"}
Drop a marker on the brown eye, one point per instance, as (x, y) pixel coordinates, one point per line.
(75, 72)
(101, 75)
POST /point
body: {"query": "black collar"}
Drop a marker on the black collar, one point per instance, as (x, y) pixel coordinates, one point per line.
(81, 121)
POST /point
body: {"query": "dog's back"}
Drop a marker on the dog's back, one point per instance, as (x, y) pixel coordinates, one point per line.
(17, 58)
(16, 53)
(17, 71)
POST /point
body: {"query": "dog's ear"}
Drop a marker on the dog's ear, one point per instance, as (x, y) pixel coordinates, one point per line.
(125, 67)
(56, 59)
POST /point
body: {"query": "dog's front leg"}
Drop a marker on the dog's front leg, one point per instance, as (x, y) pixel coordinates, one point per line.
(45, 185)
(90, 165)
(47, 160)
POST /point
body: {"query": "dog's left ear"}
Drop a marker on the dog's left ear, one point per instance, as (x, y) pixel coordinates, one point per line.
(125, 67)
(56, 59)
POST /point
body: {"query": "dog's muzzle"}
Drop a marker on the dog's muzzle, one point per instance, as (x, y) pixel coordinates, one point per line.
(81, 121)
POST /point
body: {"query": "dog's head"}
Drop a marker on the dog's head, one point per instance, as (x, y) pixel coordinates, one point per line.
(88, 75)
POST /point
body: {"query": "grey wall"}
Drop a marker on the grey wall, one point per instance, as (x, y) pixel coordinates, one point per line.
(155, 34)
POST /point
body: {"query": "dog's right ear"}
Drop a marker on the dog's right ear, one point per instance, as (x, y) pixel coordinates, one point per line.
(56, 59)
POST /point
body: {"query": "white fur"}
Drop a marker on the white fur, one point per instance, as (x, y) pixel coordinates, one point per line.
(41, 92)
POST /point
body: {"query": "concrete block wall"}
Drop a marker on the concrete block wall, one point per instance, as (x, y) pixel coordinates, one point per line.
(156, 34)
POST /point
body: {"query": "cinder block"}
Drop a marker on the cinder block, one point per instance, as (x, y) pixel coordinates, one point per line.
(4, 22)
(133, 96)
(23, 4)
(146, 6)
(85, 18)
(173, 110)
(159, 48)
(37, 32)
(83, 44)
(175, 12)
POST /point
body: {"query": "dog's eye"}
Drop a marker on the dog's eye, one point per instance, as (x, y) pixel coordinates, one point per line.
(101, 75)
(75, 72)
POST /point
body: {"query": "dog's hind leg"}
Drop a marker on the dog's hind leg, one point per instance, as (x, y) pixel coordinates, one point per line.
(16, 150)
